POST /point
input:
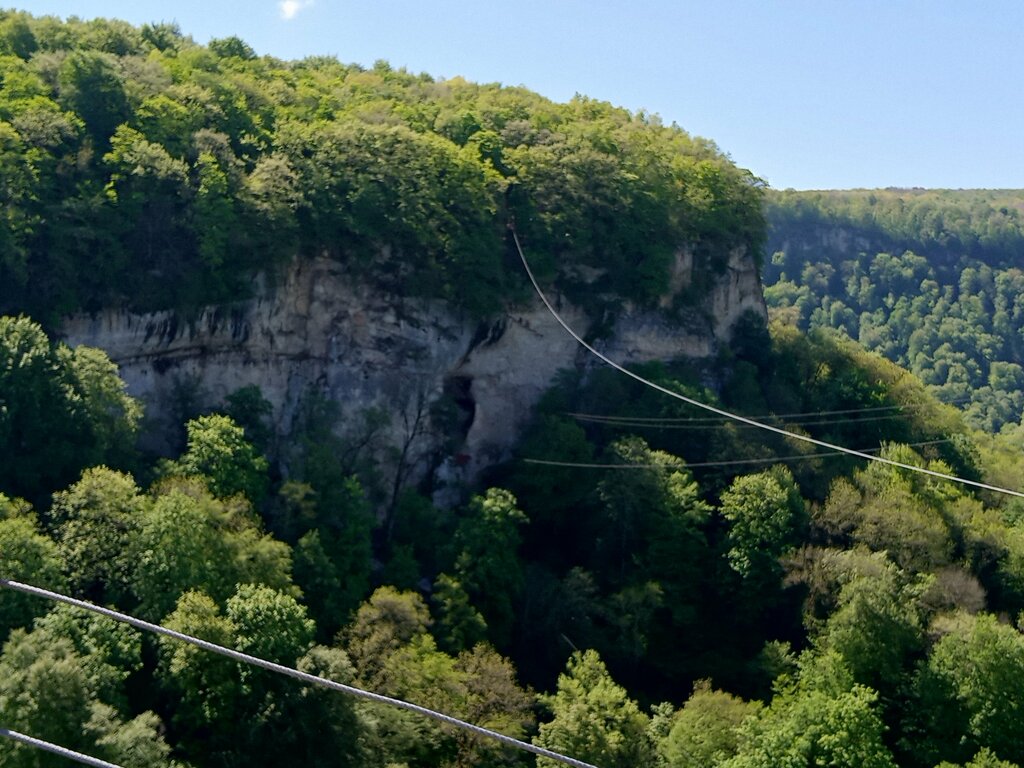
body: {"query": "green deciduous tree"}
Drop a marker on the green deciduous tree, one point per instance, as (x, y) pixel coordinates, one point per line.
(44, 690)
(110, 651)
(269, 624)
(876, 629)
(652, 514)
(325, 728)
(137, 743)
(97, 520)
(650, 553)
(208, 686)
(493, 699)
(985, 758)
(327, 499)
(60, 411)
(113, 415)
(594, 719)
(189, 540)
(218, 452)
(705, 731)
(323, 588)
(333, 560)
(417, 671)
(459, 625)
(394, 654)
(384, 623)
(883, 510)
(488, 566)
(765, 515)
(64, 682)
(250, 410)
(823, 719)
(91, 86)
(16, 36)
(25, 555)
(968, 692)
(232, 713)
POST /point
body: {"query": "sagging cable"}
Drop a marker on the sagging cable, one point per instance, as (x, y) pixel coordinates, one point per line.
(736, 416)
(304, 677)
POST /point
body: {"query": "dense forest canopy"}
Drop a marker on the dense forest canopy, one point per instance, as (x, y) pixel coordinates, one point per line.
(681, 610)
(640, 585)
(142, 169)
(931, 279)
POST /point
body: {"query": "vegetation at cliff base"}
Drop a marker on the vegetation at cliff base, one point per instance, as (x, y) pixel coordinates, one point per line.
(680, 610)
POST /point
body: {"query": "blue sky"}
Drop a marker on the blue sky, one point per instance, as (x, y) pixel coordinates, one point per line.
(808, 94)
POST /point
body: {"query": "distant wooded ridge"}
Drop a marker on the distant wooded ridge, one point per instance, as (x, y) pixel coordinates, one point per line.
(932, 279)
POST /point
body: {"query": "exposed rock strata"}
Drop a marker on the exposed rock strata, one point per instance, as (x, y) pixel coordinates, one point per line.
(365, 349)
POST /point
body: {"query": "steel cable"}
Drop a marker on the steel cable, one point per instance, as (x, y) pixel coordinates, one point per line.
(55, 749)
(735, 416)
(290, 672)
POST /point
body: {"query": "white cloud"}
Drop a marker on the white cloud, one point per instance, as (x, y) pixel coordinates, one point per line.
(291, 8)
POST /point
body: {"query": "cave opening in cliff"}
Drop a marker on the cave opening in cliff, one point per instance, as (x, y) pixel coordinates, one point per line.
(458, 411)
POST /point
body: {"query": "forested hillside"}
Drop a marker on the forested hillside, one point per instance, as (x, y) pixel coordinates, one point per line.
(641, 584)
(683, 592)
(930, 279)
(141, 169)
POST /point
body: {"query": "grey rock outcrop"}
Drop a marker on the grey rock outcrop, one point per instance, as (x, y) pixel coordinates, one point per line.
(318, 331)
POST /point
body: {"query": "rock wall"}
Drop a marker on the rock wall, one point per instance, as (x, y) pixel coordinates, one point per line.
(316, 330)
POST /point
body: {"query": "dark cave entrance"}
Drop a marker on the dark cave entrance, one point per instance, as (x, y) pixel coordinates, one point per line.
(458, 410)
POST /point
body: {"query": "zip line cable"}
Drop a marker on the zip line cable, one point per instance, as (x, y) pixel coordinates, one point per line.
(734, 416)
(708, 422)
(625, 421)
(764, 417)
(46, 746)
(730, 463)
(304, 677)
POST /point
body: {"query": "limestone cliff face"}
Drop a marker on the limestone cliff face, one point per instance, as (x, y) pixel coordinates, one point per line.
(317, 331)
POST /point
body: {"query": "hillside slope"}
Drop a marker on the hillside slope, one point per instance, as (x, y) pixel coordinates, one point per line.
(148, 172)
(931, 279)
